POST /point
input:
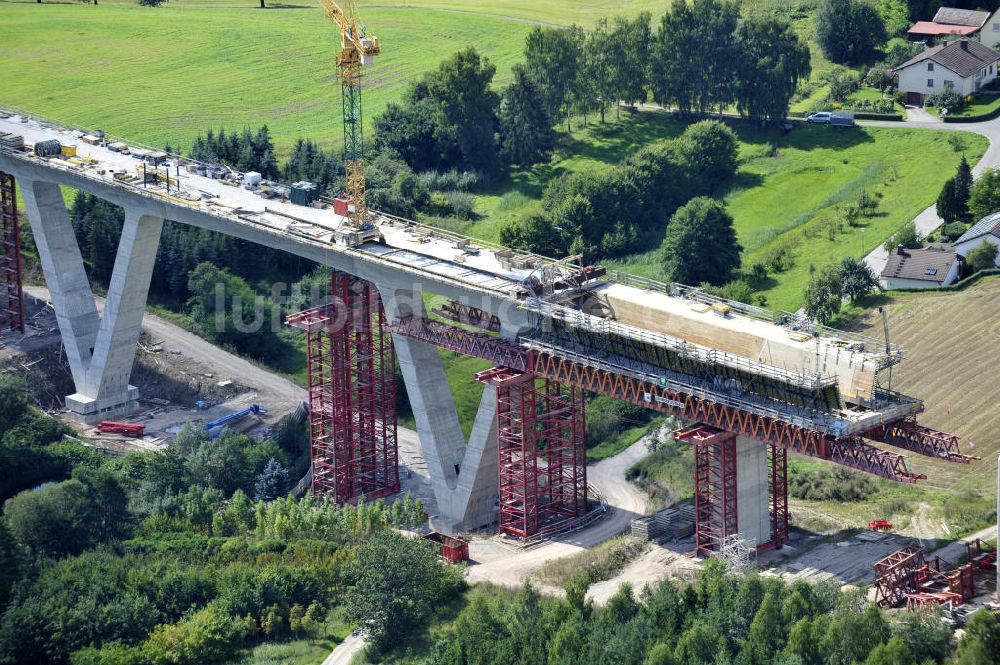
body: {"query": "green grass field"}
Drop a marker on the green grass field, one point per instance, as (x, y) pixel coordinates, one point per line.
(163, 75)
(788, 191)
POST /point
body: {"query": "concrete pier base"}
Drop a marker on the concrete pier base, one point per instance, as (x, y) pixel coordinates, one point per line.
(100, 349)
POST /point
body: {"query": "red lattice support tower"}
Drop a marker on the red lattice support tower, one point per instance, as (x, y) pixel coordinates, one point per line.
(541, 450)
(352, 393)
(563, 431)
(11, 291)
(778, 486)
(715, 487)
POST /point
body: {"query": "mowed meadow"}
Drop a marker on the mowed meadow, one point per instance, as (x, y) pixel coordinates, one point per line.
(162, 75)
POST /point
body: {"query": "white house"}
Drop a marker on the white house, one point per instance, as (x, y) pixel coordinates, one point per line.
(989, 34)
(926, 268)
(985, 230)
(963, 65)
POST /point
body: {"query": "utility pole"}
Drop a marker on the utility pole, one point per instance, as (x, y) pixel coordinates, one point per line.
(862, 243)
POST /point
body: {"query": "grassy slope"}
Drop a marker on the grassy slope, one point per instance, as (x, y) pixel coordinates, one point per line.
(163, 75)
(782, 196)
(950, 340)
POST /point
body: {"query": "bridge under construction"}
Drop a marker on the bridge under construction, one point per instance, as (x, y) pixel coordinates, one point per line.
(752, 384)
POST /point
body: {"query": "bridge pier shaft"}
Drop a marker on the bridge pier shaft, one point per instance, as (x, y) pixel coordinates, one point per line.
(100, 349)
(463, 472)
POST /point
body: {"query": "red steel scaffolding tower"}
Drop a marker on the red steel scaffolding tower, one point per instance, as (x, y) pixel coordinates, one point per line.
(11, 293)
(541, 450)
(352, 393)
(715, 488)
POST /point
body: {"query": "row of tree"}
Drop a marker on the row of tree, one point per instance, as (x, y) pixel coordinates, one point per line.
(745, 620)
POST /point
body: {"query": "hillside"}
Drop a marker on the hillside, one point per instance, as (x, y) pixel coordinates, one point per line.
(951, 362)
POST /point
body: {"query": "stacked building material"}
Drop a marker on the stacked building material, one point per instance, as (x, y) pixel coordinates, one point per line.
(645, 528)
(11, 141)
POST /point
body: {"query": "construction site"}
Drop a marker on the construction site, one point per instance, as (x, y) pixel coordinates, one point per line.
(749, 385)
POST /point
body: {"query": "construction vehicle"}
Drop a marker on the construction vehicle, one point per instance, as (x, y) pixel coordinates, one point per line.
(880, 525)
(255, 409)
(357, 50)
(133, 430)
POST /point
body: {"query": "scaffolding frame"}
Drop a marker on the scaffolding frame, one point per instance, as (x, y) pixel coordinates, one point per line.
(351, 363)
(541, 450)
(715, 489)
(777, 468)
(11, 275)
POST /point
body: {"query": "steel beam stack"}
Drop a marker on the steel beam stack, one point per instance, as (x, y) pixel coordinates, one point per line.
(352, 393)
(11, 291)
(541, 450)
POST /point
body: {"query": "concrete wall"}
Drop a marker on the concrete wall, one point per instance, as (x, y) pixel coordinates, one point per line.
(753, 503)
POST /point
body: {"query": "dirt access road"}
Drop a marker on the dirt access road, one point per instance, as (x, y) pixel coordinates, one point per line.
(506, 565)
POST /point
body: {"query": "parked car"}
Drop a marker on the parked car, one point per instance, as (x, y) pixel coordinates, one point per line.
(833, 119)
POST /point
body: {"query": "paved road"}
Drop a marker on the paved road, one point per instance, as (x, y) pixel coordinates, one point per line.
(346, 650)
(928, 220)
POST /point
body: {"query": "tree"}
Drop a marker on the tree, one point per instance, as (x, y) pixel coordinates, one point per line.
(906, 237)
(467, 109)
(535, 233)
(982, 257)
(963, 187)
(947, 203)
(272, 482)
(554, 56)
(630, 50)
(893, 652)
(13, 404)
(849, 31)
(698, 645)
(857, 278)
(927, 636)
(711, 151)
(766, 638)
(700, 244)
(526, 134)
(693, 57)
(984, 195)
(396, 582)
(824, 293)
(981, 642)
(771, 62)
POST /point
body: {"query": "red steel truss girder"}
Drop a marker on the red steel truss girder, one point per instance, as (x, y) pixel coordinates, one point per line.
(469, 315)
(541, 450)
(352, 393)
(910, 435)
(499, 351)
(11, 290)
(850, 452)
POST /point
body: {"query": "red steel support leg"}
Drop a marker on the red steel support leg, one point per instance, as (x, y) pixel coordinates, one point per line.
(778, 482)
(517, 438)
(352, 394)
(563, 435)
(714, 485)
(11, 292)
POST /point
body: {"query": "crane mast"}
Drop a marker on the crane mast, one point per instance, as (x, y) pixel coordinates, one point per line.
(357, 50)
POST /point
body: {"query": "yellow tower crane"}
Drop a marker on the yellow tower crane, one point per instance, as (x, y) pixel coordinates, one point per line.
(357, 50)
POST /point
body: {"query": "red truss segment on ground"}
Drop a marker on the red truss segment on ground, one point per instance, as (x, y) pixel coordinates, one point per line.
(906, 575)
(541, 450)
(910, 435)
(11, 292)
(352, 393)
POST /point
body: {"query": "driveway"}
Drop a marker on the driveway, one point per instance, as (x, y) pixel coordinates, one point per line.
(928, 220)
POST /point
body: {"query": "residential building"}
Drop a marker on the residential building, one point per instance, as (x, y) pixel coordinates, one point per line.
(985, 230)
(990, 32)
(925, 268)
(951, 23)
(963, 65)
